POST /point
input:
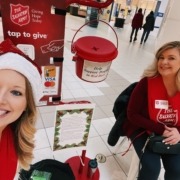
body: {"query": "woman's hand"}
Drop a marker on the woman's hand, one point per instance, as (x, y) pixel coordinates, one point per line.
(172, 135)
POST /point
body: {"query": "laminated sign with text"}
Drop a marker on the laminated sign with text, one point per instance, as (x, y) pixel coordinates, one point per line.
(72, 125)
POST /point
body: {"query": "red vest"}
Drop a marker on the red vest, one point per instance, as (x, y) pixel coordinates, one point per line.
(162, 108)
(8, 156)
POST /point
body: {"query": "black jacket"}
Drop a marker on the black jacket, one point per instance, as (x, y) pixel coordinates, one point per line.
(120, 113)
(150, 20)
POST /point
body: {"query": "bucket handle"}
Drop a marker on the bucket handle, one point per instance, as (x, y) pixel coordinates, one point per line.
(88, 23)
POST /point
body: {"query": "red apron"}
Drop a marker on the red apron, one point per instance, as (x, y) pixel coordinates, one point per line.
(162, 108)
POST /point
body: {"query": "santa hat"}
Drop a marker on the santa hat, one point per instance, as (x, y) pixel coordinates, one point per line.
(13, 58)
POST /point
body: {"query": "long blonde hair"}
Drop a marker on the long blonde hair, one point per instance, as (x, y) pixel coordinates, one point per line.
(152, 70)
(24, 130)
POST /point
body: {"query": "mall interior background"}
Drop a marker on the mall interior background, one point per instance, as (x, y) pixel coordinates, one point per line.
(166, 11)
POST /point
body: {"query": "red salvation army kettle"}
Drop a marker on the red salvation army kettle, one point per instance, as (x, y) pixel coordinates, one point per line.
(93, 56)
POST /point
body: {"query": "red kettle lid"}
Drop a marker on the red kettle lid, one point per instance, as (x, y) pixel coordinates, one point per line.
(95, 49)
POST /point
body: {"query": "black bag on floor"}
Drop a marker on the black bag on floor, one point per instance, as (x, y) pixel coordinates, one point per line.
(57, 169)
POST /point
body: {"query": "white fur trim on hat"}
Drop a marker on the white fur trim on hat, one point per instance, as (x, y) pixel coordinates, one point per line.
(20, 64)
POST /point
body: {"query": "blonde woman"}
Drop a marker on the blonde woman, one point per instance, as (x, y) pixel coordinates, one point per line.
(154, 107)
(20, 91)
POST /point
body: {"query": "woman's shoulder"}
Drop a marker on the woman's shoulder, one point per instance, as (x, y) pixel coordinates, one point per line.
(143, 81)
(141, 86)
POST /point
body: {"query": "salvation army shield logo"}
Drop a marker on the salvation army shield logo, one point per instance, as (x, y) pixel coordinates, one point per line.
(168, 116)
(19, 14)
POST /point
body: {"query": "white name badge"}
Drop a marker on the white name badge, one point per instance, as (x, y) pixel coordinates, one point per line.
(161, 104)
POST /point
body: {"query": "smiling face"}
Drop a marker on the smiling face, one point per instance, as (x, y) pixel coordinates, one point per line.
(169, 62)
(12, 96)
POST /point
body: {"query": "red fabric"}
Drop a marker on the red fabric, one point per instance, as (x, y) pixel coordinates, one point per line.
(158, 95)
(138, 112)
(137, 20)
(8, 156)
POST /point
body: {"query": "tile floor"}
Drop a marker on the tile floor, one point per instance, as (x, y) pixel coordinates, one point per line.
(126, 68)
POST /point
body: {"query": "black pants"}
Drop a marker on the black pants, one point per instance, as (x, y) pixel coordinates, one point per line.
(132, 32)
(151, 162)
(145, 34)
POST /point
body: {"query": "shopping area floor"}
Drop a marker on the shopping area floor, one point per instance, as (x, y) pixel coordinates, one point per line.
(126, 68)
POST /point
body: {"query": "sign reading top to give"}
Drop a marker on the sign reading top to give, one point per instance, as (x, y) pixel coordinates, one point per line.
(37, 28)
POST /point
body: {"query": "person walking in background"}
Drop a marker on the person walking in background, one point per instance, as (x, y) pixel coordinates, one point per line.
(148, 26)
(137, 22)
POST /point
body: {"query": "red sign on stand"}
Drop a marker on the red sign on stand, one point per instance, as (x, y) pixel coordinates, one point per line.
(37, 28)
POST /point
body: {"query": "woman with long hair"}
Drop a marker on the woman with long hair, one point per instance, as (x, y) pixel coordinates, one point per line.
(154, 108)
(20, 92)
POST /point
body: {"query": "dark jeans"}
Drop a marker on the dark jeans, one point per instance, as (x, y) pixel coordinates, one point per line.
(151, 162)
(145, 34)
(132, 32)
